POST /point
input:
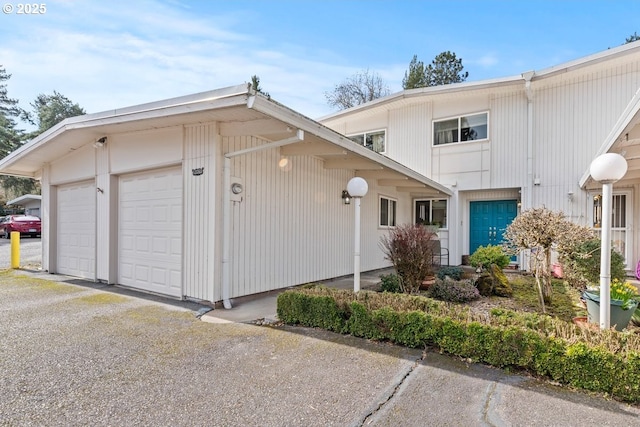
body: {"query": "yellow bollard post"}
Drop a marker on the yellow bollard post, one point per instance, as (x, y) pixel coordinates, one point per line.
(15, 249)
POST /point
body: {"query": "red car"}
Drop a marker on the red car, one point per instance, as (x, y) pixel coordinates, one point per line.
(25, 224)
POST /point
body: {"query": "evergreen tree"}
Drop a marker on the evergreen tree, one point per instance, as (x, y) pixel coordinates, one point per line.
(49, 110)
(415, 76)
(632, 38)
(445, 69)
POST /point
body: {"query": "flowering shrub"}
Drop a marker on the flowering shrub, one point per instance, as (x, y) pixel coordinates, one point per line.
(451, 290)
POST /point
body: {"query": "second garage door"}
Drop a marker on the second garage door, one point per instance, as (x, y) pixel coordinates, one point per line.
(150, 231)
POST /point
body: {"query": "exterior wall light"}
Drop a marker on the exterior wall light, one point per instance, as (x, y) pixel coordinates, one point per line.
(606, 169)
(346, 197)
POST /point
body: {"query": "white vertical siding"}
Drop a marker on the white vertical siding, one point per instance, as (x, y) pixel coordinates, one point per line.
(291, 226)
(409, 136)
(199, 231)
(104, 213)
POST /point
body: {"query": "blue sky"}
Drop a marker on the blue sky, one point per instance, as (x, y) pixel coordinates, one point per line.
(105, 55)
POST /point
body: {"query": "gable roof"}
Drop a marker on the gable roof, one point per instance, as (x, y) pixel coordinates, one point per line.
(239, 111)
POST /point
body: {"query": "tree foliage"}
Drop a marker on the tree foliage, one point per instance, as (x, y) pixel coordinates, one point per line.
(632, 38)
(362, 87)
(445, 69)
(540, 230)
(415, 76)
(255, 84)
(49, 110)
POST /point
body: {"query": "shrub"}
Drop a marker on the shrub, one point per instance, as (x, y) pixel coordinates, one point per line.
(455, 273)
(484, 256)
(602, 361)
(582, 267)
(390, 283)
(409, 248)
(451, 290)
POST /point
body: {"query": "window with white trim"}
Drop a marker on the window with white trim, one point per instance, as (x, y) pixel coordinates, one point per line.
(431, 212)
(387, 212)
(375, 141)
(472, 127)
(620, 215)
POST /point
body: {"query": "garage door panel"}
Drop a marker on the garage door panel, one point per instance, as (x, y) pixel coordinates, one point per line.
(150, 231)
(76, 229)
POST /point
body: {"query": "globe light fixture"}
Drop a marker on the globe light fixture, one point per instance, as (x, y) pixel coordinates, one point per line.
(606, 169)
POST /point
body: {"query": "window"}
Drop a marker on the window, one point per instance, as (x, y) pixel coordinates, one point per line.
(464, 128)
(431, 212)
(387, 212)
(619, 214)
(372, 140)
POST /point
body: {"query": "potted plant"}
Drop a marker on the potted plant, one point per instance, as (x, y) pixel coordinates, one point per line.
(624, 301)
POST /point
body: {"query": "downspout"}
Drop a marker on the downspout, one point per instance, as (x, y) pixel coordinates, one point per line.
(226, 207)
(527, 87)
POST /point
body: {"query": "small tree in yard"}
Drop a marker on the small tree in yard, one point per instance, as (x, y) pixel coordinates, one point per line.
(410, 250)
(540, 230)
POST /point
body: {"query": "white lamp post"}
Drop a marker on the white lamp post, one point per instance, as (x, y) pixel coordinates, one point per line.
(606, 169)
(357, 188)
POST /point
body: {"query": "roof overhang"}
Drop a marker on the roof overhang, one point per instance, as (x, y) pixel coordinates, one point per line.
(27, 198)
(238, 110)
(623, 139)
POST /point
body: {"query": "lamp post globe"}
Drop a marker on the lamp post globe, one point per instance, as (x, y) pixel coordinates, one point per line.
(357, 187)
(609, 167)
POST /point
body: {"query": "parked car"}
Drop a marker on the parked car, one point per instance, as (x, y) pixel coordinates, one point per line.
(25, 224)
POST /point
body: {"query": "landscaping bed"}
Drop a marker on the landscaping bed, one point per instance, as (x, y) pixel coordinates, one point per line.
(504, 332)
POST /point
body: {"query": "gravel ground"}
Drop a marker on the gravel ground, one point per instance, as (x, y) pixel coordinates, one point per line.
(74, 355)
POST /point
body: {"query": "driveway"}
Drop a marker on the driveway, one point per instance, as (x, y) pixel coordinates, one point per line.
(78, 353)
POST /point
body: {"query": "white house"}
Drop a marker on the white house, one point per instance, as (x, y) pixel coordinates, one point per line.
(513, 143)
(209, 196)
(30, 202)
(228, 193)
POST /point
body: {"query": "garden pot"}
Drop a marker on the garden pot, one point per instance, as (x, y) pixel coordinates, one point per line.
(427, 283)
(618, 317)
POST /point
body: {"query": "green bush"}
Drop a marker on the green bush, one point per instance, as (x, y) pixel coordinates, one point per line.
(451, 290)
(390, 283)
(484, 256)
(582, 267)
(600, 361)
(454, 272)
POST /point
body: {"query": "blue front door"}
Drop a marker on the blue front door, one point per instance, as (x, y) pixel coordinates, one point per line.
(488, 222)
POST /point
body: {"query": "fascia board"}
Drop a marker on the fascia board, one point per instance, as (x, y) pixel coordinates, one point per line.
(284, 114)
(625, 118)
(226, 97)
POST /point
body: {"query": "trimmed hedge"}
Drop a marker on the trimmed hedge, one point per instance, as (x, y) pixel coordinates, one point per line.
(597, 361)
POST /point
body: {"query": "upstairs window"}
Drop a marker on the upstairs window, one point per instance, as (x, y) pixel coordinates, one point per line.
(375, 141)
(473, 127)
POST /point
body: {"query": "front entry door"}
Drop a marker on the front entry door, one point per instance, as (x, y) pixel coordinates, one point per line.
(488, 222)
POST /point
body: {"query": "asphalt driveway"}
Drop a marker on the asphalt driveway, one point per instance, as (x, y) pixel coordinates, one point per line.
(80, 354)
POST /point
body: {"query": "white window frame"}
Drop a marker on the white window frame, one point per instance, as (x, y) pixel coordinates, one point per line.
(628, 240)
(459, 130)
(430, 213)
(392, 214)
(363, 135)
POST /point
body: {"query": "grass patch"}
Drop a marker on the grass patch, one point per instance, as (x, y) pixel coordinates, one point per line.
(565, 299)
(13, 278)
(101, 298)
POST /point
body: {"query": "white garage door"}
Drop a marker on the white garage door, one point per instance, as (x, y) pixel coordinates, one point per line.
(76, 230)
(150, 231)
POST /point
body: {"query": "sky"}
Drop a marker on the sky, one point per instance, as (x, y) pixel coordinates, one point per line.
(105, 55)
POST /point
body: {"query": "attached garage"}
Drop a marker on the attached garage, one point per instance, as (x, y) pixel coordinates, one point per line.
(150, 231)
(76, 229)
